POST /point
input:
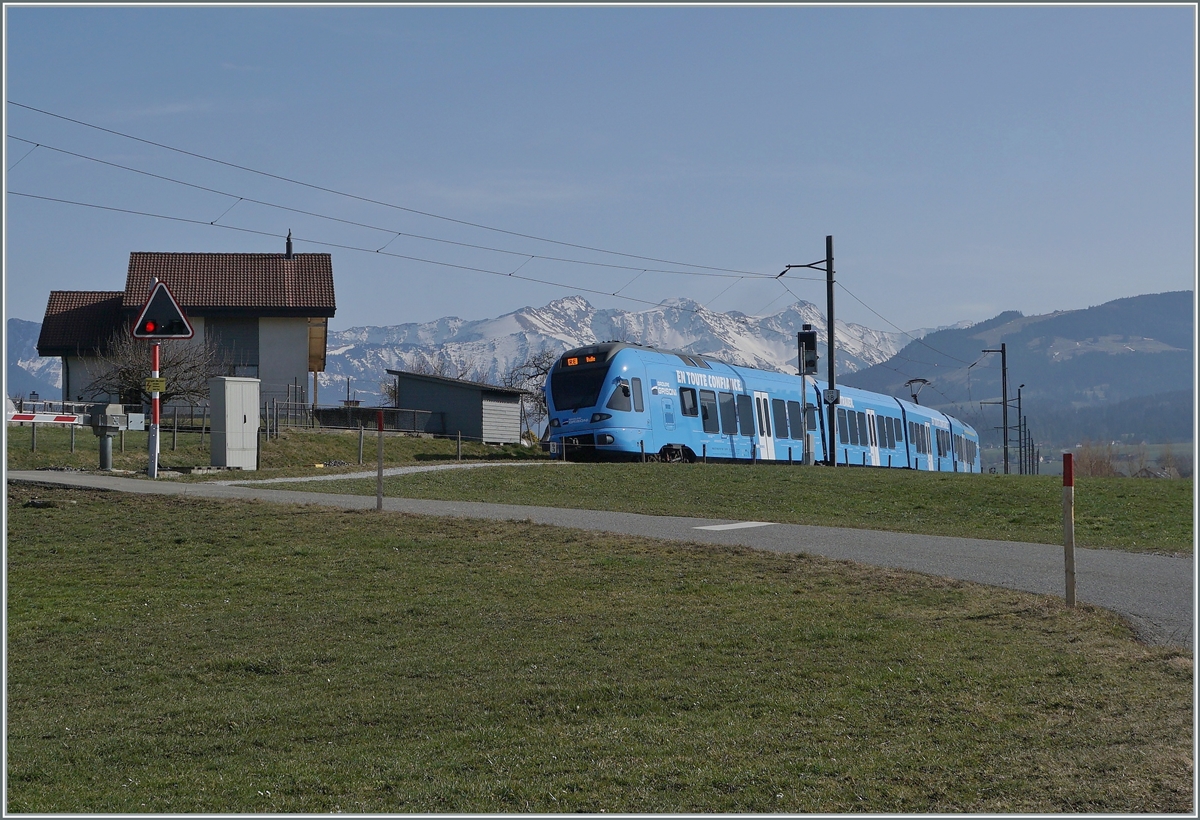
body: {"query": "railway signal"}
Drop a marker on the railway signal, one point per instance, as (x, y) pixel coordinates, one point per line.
(161, 317)
(807, 342)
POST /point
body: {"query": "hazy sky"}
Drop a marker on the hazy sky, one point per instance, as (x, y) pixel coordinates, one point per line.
(967, 160)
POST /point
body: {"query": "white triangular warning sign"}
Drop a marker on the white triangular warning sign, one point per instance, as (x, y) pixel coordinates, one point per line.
(161, 317)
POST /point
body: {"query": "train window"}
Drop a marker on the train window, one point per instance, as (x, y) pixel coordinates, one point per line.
(880, 432)
(708, 411)
(687, 402)
(573, 389)
(779, 410)
(620, 398)
(890, 427)
(701, 363)
(862, 428)
(812, 417)
(728, 414)
(764, 420)
(843, 427)
(745, 411)
(795, 419)
(687, 359)
(637, 395)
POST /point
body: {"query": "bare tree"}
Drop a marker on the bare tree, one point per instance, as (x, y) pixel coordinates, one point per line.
(436, 365)
(529, 375)
(124, 363)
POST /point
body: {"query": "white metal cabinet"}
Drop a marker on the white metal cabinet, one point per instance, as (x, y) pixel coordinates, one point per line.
(234, 403)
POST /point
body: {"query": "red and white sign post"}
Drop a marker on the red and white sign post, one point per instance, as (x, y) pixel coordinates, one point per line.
(1069, 525)
(161, 318)
(154, 397)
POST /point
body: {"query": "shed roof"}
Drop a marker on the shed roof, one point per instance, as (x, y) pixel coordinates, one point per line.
(259, 284)
(79, 321)
(463, 383)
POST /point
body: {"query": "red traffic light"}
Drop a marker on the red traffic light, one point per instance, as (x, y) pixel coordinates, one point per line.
(161, 317)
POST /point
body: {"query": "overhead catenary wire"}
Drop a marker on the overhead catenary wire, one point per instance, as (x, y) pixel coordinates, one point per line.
(369, 200)
(396, 233)
(342, 246)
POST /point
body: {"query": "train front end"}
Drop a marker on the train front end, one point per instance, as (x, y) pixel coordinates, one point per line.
(596, 404)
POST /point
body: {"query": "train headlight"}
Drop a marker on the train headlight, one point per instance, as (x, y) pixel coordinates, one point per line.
(604, 439)
(600, 417)
(553, 422)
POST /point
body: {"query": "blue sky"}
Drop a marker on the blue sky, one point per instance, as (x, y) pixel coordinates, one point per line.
(967, 160)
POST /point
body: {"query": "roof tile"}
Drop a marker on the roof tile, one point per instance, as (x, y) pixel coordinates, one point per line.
(266, 283)
(79, 321)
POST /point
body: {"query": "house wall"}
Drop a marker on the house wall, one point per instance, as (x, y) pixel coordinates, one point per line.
(77, 375)
(462, 406)
(282, 357)
(501, 419)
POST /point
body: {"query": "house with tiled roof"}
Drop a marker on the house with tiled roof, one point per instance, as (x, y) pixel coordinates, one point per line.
(268, 312)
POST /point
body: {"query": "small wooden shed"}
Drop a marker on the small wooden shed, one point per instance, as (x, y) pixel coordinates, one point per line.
(481, 412)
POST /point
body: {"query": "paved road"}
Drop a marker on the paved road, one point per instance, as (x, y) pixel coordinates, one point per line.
(1155, 593)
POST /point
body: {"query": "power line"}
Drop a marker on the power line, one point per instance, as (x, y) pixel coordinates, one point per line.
(893, 324)
(469, 268)
(239, 198)
(369, 200)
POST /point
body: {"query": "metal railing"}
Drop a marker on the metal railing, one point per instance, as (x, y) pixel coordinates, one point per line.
(283, 414)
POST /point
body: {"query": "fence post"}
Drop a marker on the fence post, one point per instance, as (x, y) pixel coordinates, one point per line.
(361, 433)
(704, 453)
(1069, 525)
(460, 445)
(72, 438)
(379, 474)
(33, 436)
(642, 447)
(175, 427)
(122, 440)
(203, 424)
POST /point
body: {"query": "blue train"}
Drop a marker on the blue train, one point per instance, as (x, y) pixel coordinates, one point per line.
(617, 401)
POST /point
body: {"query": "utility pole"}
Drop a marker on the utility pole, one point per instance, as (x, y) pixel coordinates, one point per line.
(832, 454)
(1003, 351)
(831, 394)
(1020, 434)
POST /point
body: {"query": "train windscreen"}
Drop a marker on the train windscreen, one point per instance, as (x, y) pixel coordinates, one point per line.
(573, 389)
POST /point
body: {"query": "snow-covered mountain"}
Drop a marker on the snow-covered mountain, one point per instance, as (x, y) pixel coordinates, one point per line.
(27, 372)
(486, 349)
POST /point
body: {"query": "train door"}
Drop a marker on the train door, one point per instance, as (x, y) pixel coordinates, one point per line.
(929, 445)
(766, 441)
(872, 438)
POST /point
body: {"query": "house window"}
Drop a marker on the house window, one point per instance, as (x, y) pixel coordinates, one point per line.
(237, 344)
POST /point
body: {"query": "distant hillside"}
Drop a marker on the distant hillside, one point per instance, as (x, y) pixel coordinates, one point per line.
(1122, 370)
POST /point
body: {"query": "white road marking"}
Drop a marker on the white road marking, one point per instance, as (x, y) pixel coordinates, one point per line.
(741, 525)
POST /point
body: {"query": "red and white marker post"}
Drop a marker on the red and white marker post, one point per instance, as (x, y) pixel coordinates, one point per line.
(154, 396)
(1069, 525)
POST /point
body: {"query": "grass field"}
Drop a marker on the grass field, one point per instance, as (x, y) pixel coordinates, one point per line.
(1140, 515)
(181, 655)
